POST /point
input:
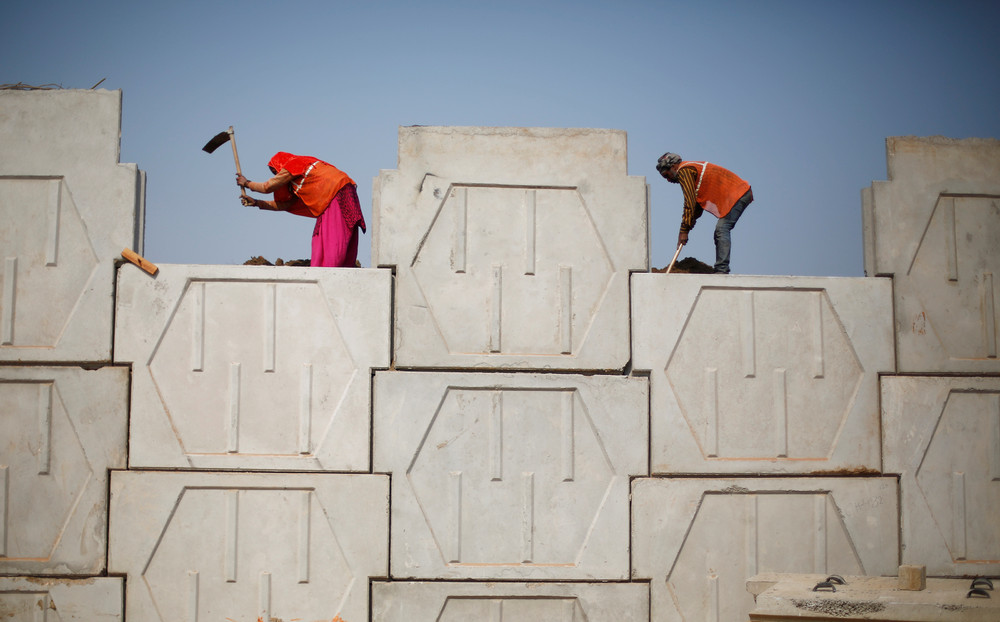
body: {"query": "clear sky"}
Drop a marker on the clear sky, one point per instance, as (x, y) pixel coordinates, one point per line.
(797, 97)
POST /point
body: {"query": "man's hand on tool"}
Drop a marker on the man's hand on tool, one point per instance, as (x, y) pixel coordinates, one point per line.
(248, 201)
(241, 181)
(682, 238)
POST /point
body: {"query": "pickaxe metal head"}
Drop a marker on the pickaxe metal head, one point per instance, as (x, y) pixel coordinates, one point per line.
(218, 140)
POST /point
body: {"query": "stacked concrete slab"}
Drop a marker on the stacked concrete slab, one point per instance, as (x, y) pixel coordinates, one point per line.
(934, 227)
(508, 418)
(512, 250)
(512, 247)
(752, 376)
(508, 464)
(235, 371)
(68, 209)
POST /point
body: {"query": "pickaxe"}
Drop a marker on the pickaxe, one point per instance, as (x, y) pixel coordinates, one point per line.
(217, 141)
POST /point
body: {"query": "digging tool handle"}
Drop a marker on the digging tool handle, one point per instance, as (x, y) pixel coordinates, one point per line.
(674, 260)
(236, 157)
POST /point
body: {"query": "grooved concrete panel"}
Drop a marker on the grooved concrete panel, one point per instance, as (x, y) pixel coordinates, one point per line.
(513, 476)
(68, 208)
(699, 540)
(62, 429)
(481, 215)
(762, 374)
(216, 546)
(935, 226)
(252, 367)
(61, 600)
(441, 601)
(942, 435)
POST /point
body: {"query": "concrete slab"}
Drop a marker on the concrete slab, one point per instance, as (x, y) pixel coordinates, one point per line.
(481, 215)
(781, 597)
(442, 601)
(753, 374)
(935, 226)
(700, 539)
(68, 208)
(942, 436)
(62, 429)
(509, 476)
(30, 599)
(242, 546)
(252, 367)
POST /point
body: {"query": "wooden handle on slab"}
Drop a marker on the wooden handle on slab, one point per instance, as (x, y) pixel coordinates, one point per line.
(139, 260)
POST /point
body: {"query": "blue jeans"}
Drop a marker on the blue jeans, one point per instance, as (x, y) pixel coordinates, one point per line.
(723, 239)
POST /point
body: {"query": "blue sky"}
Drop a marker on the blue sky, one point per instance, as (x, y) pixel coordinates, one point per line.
(795, 96)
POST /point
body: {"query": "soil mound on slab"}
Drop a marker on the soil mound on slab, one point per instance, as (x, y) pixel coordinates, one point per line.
(688, 265)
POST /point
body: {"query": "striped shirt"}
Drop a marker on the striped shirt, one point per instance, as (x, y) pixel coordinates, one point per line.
(687, 177)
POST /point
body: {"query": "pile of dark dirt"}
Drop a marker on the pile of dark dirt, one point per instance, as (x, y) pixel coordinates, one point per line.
(261, 261)
(688, 265)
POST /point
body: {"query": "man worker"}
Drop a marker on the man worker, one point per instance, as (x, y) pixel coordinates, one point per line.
(708, 187)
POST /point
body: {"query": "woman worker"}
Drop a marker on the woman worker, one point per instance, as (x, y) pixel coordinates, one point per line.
(306, 186)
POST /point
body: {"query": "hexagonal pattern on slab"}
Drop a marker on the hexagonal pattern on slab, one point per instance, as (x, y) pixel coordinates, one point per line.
(248, 546)
(534, 230)
(63, 428)
(446, 601)
(504, 475)
(49, 263)
(69, 208)
(942, 435)
(765, 374)
(935, 227)
(526, 289)
(699, 540)
(949, 298)
(762, 374)
(249, 367)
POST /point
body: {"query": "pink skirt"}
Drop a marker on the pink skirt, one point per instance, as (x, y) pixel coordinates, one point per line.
(333, 245)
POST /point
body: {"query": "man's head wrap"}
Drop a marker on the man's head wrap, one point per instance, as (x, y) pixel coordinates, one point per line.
(667, 160)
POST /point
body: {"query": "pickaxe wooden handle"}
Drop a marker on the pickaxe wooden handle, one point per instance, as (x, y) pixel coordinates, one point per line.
(674, 260)
(236, 158)
(216, 142)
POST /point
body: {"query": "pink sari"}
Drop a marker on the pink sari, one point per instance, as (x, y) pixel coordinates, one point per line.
(334, 244)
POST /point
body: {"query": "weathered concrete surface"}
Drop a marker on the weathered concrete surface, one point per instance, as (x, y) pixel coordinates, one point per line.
(27, 599)
(62, 428)
(252, 367)
(753, 374)
(241, 546)
(781, 597)
(512, 246)
(699, 540)
(68, 208)
(942, 436)
(442, 601)
(509, 476)
(935, 226)
(510, 489)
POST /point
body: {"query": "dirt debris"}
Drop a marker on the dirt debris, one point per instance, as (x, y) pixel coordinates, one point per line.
(839, 608)
(688, 265)
(258, 260)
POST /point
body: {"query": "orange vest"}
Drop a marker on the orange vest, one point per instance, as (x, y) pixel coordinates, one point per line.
(718, 189)
(316, 188)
